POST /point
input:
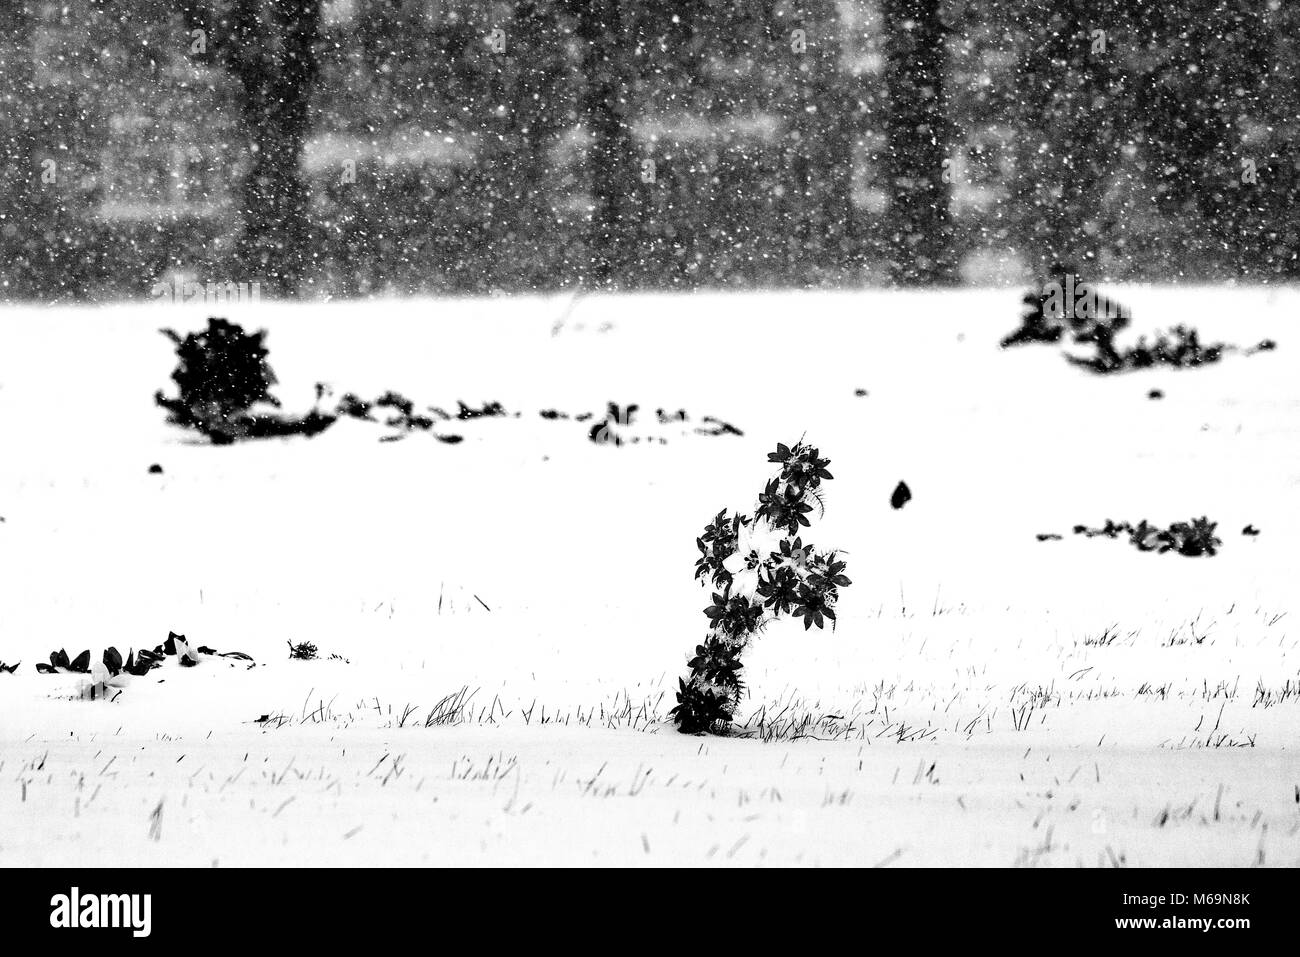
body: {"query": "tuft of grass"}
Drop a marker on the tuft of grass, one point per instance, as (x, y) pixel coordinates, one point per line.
(452, 709)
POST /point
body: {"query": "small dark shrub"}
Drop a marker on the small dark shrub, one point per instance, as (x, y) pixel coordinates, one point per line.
(1035, 325)
(303, 651)
(221, 375)
(759, 569)
(1063, 303)
(1190, 538)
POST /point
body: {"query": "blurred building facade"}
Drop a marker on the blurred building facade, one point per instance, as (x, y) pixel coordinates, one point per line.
(448, 152)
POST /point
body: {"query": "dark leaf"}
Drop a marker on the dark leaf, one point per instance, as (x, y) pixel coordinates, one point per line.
(902, 495)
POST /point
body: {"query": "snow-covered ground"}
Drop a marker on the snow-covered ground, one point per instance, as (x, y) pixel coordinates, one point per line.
(512, 613)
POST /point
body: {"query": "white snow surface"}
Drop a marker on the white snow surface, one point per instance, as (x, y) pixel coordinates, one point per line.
(985, 699)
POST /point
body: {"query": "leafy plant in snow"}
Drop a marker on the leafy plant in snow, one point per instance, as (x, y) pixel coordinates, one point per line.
(113, 671)
(60, 662)
(1178, 348)
(759, 568)
(1194, 538)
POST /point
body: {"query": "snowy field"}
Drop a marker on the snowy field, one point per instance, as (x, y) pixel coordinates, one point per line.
(511, 613)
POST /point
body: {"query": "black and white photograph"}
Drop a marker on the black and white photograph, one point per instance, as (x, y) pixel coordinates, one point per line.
(511, 434)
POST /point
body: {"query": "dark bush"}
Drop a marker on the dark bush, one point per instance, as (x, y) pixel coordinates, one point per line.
(1063, 302)
(222, 374)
